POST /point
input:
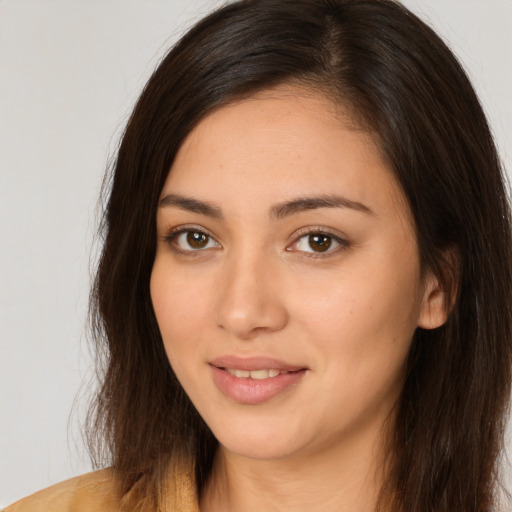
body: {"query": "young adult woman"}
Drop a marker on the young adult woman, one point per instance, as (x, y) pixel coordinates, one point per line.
(304, 296)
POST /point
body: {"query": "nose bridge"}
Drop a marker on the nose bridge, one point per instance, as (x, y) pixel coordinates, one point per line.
(249, 301)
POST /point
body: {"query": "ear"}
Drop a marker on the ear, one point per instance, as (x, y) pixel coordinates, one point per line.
(439, 296)
(434, 310)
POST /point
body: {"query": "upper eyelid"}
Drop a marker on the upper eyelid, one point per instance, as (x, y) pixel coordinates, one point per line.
(308, 230)
(184, 228)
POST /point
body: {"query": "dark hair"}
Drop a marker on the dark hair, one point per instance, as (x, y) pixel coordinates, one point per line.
(402, 83)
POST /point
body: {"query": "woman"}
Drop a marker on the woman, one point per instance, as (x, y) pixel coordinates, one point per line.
(303, 296)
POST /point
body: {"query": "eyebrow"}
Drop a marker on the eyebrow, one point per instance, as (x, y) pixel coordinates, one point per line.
(277, 211)
(301, 204)
(191, 205)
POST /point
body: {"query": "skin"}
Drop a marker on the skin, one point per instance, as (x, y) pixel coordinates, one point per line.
(259, 286)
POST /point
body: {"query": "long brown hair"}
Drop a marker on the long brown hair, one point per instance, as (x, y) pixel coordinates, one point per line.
(406, 86)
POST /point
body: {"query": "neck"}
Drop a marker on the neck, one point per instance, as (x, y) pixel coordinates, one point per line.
(340, 478)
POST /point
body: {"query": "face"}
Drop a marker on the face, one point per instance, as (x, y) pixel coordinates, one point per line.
(286, 283)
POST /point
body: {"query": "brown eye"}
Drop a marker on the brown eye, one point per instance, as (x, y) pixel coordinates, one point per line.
(319, 242)
(316, 243)
(197, 240)
(190, 240)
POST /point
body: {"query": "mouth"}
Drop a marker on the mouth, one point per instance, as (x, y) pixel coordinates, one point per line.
(253, 381)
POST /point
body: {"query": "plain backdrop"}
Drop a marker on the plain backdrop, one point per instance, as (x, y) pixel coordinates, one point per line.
(70, 72)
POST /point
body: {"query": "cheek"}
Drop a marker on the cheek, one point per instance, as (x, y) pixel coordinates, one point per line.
(179, 304)
(361, 334)
(355, 305)
(363, 319)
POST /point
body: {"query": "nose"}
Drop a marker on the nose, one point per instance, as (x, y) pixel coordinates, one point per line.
(250, 302)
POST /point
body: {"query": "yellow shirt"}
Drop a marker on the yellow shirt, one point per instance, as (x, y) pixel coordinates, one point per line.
(91, 492)
(96, 492)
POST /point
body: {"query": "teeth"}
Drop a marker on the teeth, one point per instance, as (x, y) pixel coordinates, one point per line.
(255, 374)
(259, 374)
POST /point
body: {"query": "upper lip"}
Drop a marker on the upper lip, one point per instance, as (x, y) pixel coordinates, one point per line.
(254, 363)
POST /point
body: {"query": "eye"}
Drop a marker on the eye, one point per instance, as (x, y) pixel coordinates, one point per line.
(317, 243)
(190, 240)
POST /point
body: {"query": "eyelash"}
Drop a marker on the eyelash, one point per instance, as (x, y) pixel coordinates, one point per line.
(171, 237)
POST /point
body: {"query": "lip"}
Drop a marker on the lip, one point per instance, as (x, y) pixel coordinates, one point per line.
(249, 391)
(254, 363)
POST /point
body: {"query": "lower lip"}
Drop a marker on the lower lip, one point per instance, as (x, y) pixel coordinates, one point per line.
(252, 391)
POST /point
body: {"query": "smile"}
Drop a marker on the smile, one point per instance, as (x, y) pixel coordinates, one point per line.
(254, 381)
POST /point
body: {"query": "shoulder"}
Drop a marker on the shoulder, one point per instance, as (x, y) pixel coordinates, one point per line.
(92, 491)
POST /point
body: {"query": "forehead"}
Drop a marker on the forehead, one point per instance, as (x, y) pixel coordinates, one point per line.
(282, 142)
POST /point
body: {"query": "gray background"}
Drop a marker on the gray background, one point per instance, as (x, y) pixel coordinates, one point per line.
(70, 72)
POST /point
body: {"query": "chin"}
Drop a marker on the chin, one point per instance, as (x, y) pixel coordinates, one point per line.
(254, 440)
